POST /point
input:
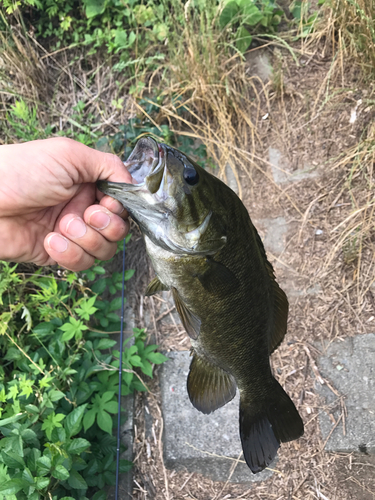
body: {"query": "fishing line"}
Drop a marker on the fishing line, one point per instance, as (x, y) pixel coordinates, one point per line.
(121, 349)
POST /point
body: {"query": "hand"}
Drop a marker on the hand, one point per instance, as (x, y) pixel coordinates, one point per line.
(48, 208)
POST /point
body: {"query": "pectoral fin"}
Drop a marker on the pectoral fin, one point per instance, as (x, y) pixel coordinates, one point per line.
(155, 286)
(209, 386)
(217, 278)
(191, 322)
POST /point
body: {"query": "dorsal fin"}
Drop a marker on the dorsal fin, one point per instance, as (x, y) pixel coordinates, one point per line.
(155, 286)
(280, 313)
(209, 386)
(281, 305)
(191, 322)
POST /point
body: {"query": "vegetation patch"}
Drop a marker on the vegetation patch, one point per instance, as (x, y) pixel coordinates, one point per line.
(59, 381)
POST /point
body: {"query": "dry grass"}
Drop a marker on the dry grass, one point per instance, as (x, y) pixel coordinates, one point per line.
(22, 70)
(348, 26)
(208, 93)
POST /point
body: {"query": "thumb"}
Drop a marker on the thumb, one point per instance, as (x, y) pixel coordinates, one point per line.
(89, 165)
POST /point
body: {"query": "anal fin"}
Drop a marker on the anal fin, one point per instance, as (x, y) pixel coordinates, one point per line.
(155, 286)
(209, 387)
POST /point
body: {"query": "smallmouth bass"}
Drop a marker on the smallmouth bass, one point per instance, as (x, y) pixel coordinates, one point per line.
(205, 249)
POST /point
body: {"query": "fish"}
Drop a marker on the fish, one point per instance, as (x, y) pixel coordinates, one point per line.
(205, 249)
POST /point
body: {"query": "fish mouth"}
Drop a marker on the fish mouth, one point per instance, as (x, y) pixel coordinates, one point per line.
(146, 166)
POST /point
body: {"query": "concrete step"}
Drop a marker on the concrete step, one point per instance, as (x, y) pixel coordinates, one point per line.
(349, 366)
(208, 444)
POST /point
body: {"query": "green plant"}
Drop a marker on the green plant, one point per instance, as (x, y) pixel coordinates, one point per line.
(59, 382)
(305, 19)
(25, 123)
(116, 25)
(249, 17)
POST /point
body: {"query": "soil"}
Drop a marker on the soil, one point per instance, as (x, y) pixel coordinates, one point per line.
(309, 122)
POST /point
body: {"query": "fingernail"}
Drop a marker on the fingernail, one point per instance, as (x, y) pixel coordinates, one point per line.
(99, 219)
(76, 228)
(57, 243)
(116, 207)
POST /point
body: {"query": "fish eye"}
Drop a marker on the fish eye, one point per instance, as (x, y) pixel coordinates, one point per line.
(191, 176)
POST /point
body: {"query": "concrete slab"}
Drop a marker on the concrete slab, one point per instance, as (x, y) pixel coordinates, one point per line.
(350, 366)
(282, 171)
(275, 231)
(198, 442)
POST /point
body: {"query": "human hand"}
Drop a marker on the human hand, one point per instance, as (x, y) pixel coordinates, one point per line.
(48, 209)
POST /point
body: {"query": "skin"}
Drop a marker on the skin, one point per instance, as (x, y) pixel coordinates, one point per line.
(50, 209)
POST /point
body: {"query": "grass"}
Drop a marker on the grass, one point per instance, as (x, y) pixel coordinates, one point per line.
(354, 236)
(349, 26)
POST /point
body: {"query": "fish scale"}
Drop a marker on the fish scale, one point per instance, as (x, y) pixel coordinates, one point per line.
(205, 249)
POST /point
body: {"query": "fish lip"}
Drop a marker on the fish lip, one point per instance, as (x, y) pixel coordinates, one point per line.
(147, 150)
(136, 158)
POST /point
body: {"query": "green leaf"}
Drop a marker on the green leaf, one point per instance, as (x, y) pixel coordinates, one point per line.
(115, 304)
(243, 39)
(94, 7)
(12, 419)
(73, 420)
(27, 476)
(89, 419)
(43, 329)
(99, 269)
(107, 396)
(73, 328)
(86, 308)
(43, 465)
(55, 395)
(60, 472)
(31, 409)
(76, 480)
(42, 482)
(51, 422)
(12, 487)
(105, 421)
(146, 368)
(12, 460)
(32, 459)
(129, 274)
(78, 446)
(228, 14)
(106, 344)
(99, 495)
(112, 317)
(99, 286)
(157, 358)
(111, 407)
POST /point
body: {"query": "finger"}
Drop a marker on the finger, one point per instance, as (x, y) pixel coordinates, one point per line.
(67, 253)
(98, 242)
(109, 225)
(114, 206)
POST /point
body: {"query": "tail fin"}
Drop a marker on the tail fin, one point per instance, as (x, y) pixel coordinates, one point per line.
(262, 431)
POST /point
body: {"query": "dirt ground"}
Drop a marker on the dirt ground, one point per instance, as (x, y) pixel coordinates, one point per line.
(309, 120)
